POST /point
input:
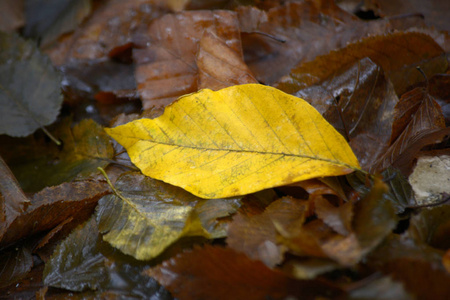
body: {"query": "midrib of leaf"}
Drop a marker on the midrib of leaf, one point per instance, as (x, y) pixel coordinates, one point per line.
(337, 162)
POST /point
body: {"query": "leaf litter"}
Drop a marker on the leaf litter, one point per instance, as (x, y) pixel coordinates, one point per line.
(355, 236)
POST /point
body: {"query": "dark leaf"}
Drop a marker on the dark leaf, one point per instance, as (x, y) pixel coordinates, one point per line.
(54, 205)
(85, 147)
(424, 118)
(12, 199)
(220, 273)
(48, 19)
(29, 87)
(11, 15)
(16, 262)
(256, 235)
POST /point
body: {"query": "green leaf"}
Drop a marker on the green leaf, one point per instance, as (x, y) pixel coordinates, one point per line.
(29, 87)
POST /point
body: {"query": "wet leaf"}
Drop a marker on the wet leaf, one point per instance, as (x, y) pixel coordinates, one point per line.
(16, 262)
(150, 215)
(400, 193)
(166, 66)
(422, 120)
(47, 20)
(236, 141)
(54, 205)
(339, 218)
(29, 87)
(296, 32)
(82, 262)
(85, 147)
(13, 201)
(108, 28)
(77, 255)
(390, 51)
(381, 288)
(358, 100)
(256, 236)
(220, 66)
(220, 273)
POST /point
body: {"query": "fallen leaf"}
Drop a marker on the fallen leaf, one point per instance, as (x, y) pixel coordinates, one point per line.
(433, 11)
(391, 51)
(82, 262)
(256, 235)
(13, 201)
(236, 141)
(295, 32)
(430, 179)
(166, 64)
(147, 216)
(220, 66)
(77, 254)
(29, 87)
(16, 262)
(109, 27)
(426, 120)
(85, 147)
(381, 288)
(54, 205)
(339, 218)
(11, 15)
(221, 273)
(47, 20)
(358, 100)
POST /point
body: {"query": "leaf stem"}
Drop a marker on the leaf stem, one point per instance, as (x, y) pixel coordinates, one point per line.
(109, 181)
(57, 142)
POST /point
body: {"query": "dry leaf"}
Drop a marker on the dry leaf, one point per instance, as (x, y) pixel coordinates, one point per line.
(236, 141)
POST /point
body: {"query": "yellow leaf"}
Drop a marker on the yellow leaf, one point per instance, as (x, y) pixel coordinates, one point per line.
(236, 141)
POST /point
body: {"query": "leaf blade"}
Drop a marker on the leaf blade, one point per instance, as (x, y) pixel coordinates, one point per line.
(236, 141)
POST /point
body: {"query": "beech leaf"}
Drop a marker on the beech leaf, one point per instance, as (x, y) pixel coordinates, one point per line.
(236, 141)
(29, 87)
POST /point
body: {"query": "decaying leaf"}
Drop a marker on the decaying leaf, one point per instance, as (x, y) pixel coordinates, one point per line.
(166, 64)
(12, 199)
(149, 215)
(16, 262)
(85, 147)
(421, 119)
(256, 235)
(29, 87)
(52, 206)
(391, 51)
(221, 273)
(236, 141)
(11, 15)
(48, 20)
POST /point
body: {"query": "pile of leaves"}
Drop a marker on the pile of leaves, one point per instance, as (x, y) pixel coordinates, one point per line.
(224, 150)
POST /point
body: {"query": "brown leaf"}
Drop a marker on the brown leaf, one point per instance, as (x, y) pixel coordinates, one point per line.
(435, 12)
(16, 262)
(12, 199)
(219, 66)
(256, 235)
(11, 15)
(53, 205)
(298, 32)
(166, 64)
(422, 117)
(110, 26)
(359, 101)
(221, 273)
(339, 218)
(390, 51)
